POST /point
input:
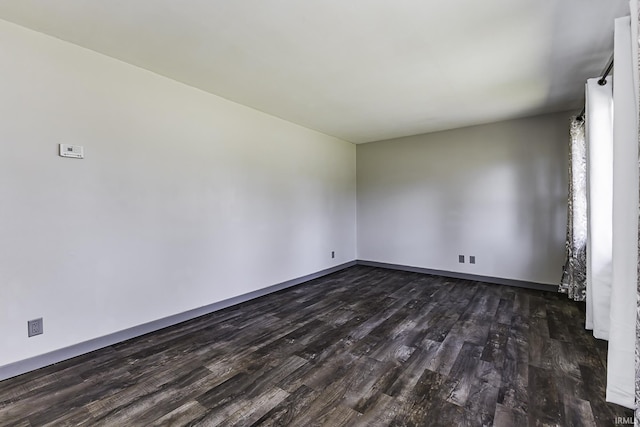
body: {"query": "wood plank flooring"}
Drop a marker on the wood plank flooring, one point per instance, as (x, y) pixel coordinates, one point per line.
(362, 347)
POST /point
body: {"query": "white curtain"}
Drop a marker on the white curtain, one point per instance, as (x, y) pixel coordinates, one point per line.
(612, 242)
(635, 44)
(599, 133)
(620, 360)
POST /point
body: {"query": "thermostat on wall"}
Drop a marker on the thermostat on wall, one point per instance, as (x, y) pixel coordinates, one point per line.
(74, 151)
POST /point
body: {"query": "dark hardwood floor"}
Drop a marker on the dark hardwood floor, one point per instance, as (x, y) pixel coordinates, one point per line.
(361, 347)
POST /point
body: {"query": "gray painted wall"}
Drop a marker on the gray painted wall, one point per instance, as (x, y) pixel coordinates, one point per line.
(184, 199)
(496, 191)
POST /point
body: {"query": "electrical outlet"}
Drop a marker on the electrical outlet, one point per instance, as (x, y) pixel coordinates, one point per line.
(461, 259)
(35, 327)
(472, 259)
(333, 254)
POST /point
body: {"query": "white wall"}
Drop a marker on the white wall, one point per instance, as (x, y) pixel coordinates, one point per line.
(496, 191)
(184, 198)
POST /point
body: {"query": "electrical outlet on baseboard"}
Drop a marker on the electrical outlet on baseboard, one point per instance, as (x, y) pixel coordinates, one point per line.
(35, 327)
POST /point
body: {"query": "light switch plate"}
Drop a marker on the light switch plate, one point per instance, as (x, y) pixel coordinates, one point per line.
(73, 151)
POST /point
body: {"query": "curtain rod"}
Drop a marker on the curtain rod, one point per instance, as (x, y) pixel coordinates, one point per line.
(601, 82)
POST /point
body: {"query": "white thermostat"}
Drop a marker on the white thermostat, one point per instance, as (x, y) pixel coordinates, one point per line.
(73, 151)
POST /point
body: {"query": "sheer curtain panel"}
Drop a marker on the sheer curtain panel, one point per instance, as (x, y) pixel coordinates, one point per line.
(574, 274)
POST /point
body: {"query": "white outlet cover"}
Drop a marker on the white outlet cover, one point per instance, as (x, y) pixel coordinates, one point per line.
(72, 151)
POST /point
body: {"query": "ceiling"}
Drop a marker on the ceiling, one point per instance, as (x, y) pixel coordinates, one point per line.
(361, 70)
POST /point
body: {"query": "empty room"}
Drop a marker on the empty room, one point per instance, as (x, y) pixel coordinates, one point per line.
(319, 213)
